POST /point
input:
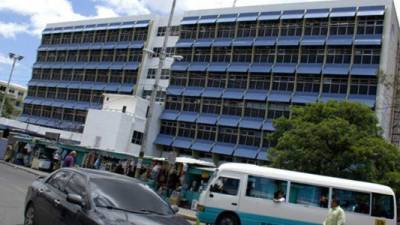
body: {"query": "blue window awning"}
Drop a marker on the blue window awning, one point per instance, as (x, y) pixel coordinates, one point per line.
(222, 42)
(175, 90)
(79, 65)
(181, 142)
(313, 40)
(74, 84)
(179, 66)
(316, 13)
(256, 95)
(103, 65)
(99, 86)
(243, 42)
(198, 67)
(136, 44)
(227, 18)
(189, 20)
(246, 152)
(368, 40)
(108, 45)
(343, 12)
(339, 40)
(33, 82)
(247, 17)
(212, 92)
(218, 67)
(169, 115)
(202, 145)
(127, 24)
(265, 41)
(69, 104)
(117, 66)
(184, 43)
(268, 126)
(62, 84)
(92, 46)
(193, 91)
(208, 19)
(288, 41)
(238, 67)
(284, 68)
(229, 121)
(336, 97)
(292, 15)
(141, 23)
(127, 88)
(304, 98)
(163, 139)
(206, 118)
(203, 43)
(233, 94)
(371, 11)
(187, 117)
(112, 87)
(86, 85)
(309, 69)
(251, 123)
(336, 69)
(262, 155)
(279, 97)
(364, 70)
(223, 149)
(82, 105)
(270, 15)
(260, 68)
(367, 100)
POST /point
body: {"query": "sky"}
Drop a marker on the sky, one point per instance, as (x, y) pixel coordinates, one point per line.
(22, 21)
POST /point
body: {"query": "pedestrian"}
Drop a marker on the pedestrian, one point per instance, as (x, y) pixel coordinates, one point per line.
(69, 161)
(335, 215)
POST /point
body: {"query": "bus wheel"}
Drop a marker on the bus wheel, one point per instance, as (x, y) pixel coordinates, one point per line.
(228, 219)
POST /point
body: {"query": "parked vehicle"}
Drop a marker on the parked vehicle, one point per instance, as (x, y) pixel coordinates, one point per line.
(243, 194)
(91, 197)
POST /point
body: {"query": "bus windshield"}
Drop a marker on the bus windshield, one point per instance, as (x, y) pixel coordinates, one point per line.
(382, 206)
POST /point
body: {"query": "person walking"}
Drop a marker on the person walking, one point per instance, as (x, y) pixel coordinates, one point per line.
(69, 161)
(335, 215)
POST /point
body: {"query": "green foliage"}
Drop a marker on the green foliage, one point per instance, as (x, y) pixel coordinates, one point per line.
(338, 139)
(9, 110)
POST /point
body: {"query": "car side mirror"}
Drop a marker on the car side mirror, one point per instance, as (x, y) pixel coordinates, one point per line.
(75, 199)
(175, 209)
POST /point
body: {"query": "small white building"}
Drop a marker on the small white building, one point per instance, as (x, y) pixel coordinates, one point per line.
(16, 93)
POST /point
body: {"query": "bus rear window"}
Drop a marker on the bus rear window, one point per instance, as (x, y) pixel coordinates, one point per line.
(382, 206)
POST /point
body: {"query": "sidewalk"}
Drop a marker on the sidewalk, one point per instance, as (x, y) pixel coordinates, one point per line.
(186, 213)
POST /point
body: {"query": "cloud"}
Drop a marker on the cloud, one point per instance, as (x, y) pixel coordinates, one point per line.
(10, 30)
(126, 7)
(103, 11)
(4, 59)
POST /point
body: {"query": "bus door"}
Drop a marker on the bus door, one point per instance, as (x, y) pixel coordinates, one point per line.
(224, 193)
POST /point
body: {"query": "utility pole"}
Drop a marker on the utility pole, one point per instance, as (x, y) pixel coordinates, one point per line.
(15, 58)
(234, 3)
(162, 56)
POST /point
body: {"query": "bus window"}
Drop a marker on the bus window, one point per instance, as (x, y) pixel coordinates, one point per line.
(382, 206)
(309, 195)
(260, 187)
(352, 201)
(225, 185)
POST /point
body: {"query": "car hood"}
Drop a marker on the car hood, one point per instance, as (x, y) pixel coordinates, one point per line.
(115, 217)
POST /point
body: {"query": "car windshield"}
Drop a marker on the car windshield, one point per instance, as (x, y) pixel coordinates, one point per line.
(127, 195)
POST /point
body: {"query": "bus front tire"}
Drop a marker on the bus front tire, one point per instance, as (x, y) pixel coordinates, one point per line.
(228, 219)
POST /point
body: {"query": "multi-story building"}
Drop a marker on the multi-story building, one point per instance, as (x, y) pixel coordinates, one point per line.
(245, 66)
(16, 93)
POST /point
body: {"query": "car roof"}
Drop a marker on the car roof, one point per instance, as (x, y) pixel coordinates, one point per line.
(92, 173)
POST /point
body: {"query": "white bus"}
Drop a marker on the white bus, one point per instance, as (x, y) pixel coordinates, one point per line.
(243, 194)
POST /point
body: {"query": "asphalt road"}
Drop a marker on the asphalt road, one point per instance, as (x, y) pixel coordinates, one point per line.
(13, 186)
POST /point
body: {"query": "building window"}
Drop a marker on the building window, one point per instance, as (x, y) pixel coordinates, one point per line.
(228, 135)
(31, 91)
(140, 34)
(27, 109)
(160, 96)
(57, 113)
(51, 56)
(108, 55)
(56, 74)
(247, 29)
(36, 74)
(308, 83)
(168, 127)
(46, 111)
(188, 32)
(217, 80)
(250, 137)
(97, 97)
(187, 130)
(135, 55)
(264, 55)
(61, 56)
(276, 110)
(62, 93)
(191, 104)
(226, 30)
(116, 76)
(173, 103)
(102, 76)
(80, 116)
(73, 94)
(221, 54)
(186, 53)
(335, 85)
(202, 55)
(88, 37)
(175, 30)
(255, 109)
(237, 80)
(126, 34)
(90, 75)
(130, 76)
(206, 132)
(342, 26)
(370, 25)
(339, 55)
(287, 55)
(363, 86)
(66, 38)
(211, 105)
(78, 75)
(291, 28)
(316, 27)
(312, 55)
(259, 81)
(46, 39)
(367, 56)
(161, 31)
(51, 92)
(83, 56)
(95, 55)
(137, 137)
(56, 39)
(77, 37)
(37, 110)
(46, 74)
(165, 74)
(268, 29)
(197, 79)
(283, 83)
(72, 56)
(41, 56)
(84, 96)
(232, 107)
(178, 78)
(113, 35)
(207, 31)
(242, 55)
(41, 93)
(100, 36)
(68, 115)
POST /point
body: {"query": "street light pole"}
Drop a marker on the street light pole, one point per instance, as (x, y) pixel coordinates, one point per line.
(162, 56)
(15, 58)
(234, 3)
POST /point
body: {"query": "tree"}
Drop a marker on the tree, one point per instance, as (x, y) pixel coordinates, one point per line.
(339, 139)
(9, 110)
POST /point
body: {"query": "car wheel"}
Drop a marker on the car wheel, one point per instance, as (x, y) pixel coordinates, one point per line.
(30, 216)
(228, 219)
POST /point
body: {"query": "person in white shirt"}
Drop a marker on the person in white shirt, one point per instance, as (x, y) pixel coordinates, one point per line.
(336, 215)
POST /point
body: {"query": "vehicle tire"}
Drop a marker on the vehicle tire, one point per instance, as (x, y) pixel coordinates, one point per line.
(30, 216)
(228, 219)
